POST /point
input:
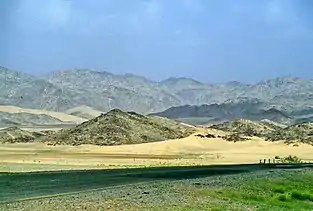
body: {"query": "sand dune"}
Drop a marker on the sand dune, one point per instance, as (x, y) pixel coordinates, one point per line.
(58, 115)
(192, 150)
(84, 111)
(247, 151)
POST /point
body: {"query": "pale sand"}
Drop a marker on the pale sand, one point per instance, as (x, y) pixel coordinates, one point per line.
(194, 150)
(84, 110)
(58, 115)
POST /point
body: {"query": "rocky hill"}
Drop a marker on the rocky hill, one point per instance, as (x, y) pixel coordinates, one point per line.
(271, 131)
(7, 119)
(103, 91)
(247, 128)
(273, 115)
(17, 135)
(299, 132)
(117, 127)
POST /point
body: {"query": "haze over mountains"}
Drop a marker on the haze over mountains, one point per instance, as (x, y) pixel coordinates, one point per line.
(215, 113)
(110, 101)
(103, 91)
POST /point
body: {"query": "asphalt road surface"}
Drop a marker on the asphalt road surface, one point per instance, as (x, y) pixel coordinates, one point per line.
(35, 185)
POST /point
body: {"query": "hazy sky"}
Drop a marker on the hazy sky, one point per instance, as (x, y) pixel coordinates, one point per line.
(209, 40)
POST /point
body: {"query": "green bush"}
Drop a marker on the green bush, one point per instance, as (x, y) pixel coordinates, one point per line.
(282, 197)
(300, 196)
(279, 189)
(291, 159)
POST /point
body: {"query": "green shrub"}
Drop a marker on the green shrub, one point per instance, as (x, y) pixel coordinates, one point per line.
(300, 196)
(282, 197)
(279, 189)
(291, 159)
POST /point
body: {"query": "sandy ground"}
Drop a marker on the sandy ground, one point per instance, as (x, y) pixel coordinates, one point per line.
(84, 110)
(58, 115)
(190, 150)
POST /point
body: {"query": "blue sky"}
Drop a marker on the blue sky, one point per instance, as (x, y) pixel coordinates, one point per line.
(209, 40)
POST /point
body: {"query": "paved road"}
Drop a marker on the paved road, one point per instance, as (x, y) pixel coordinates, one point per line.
(27, 186)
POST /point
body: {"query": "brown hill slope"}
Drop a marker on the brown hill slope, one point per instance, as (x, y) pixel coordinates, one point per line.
(247, 127)
(27, 119)
(299, 132)
(15, 135)
(117, 127)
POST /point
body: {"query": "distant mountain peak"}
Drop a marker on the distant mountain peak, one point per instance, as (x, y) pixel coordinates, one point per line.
(4, 70)
(115, 111)
(283, 80)
(136, 77)
(235, 83)
(245, 100)
(81, 71)
(179, 79)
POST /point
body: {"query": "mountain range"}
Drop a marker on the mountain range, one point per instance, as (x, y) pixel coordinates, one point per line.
(103, 91)
(217, 113)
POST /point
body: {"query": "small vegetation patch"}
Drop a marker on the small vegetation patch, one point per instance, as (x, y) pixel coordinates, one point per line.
(206, 135)
(301, 195)
(235, 138)
(282, 197)
(291, 159)
(279, 189)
